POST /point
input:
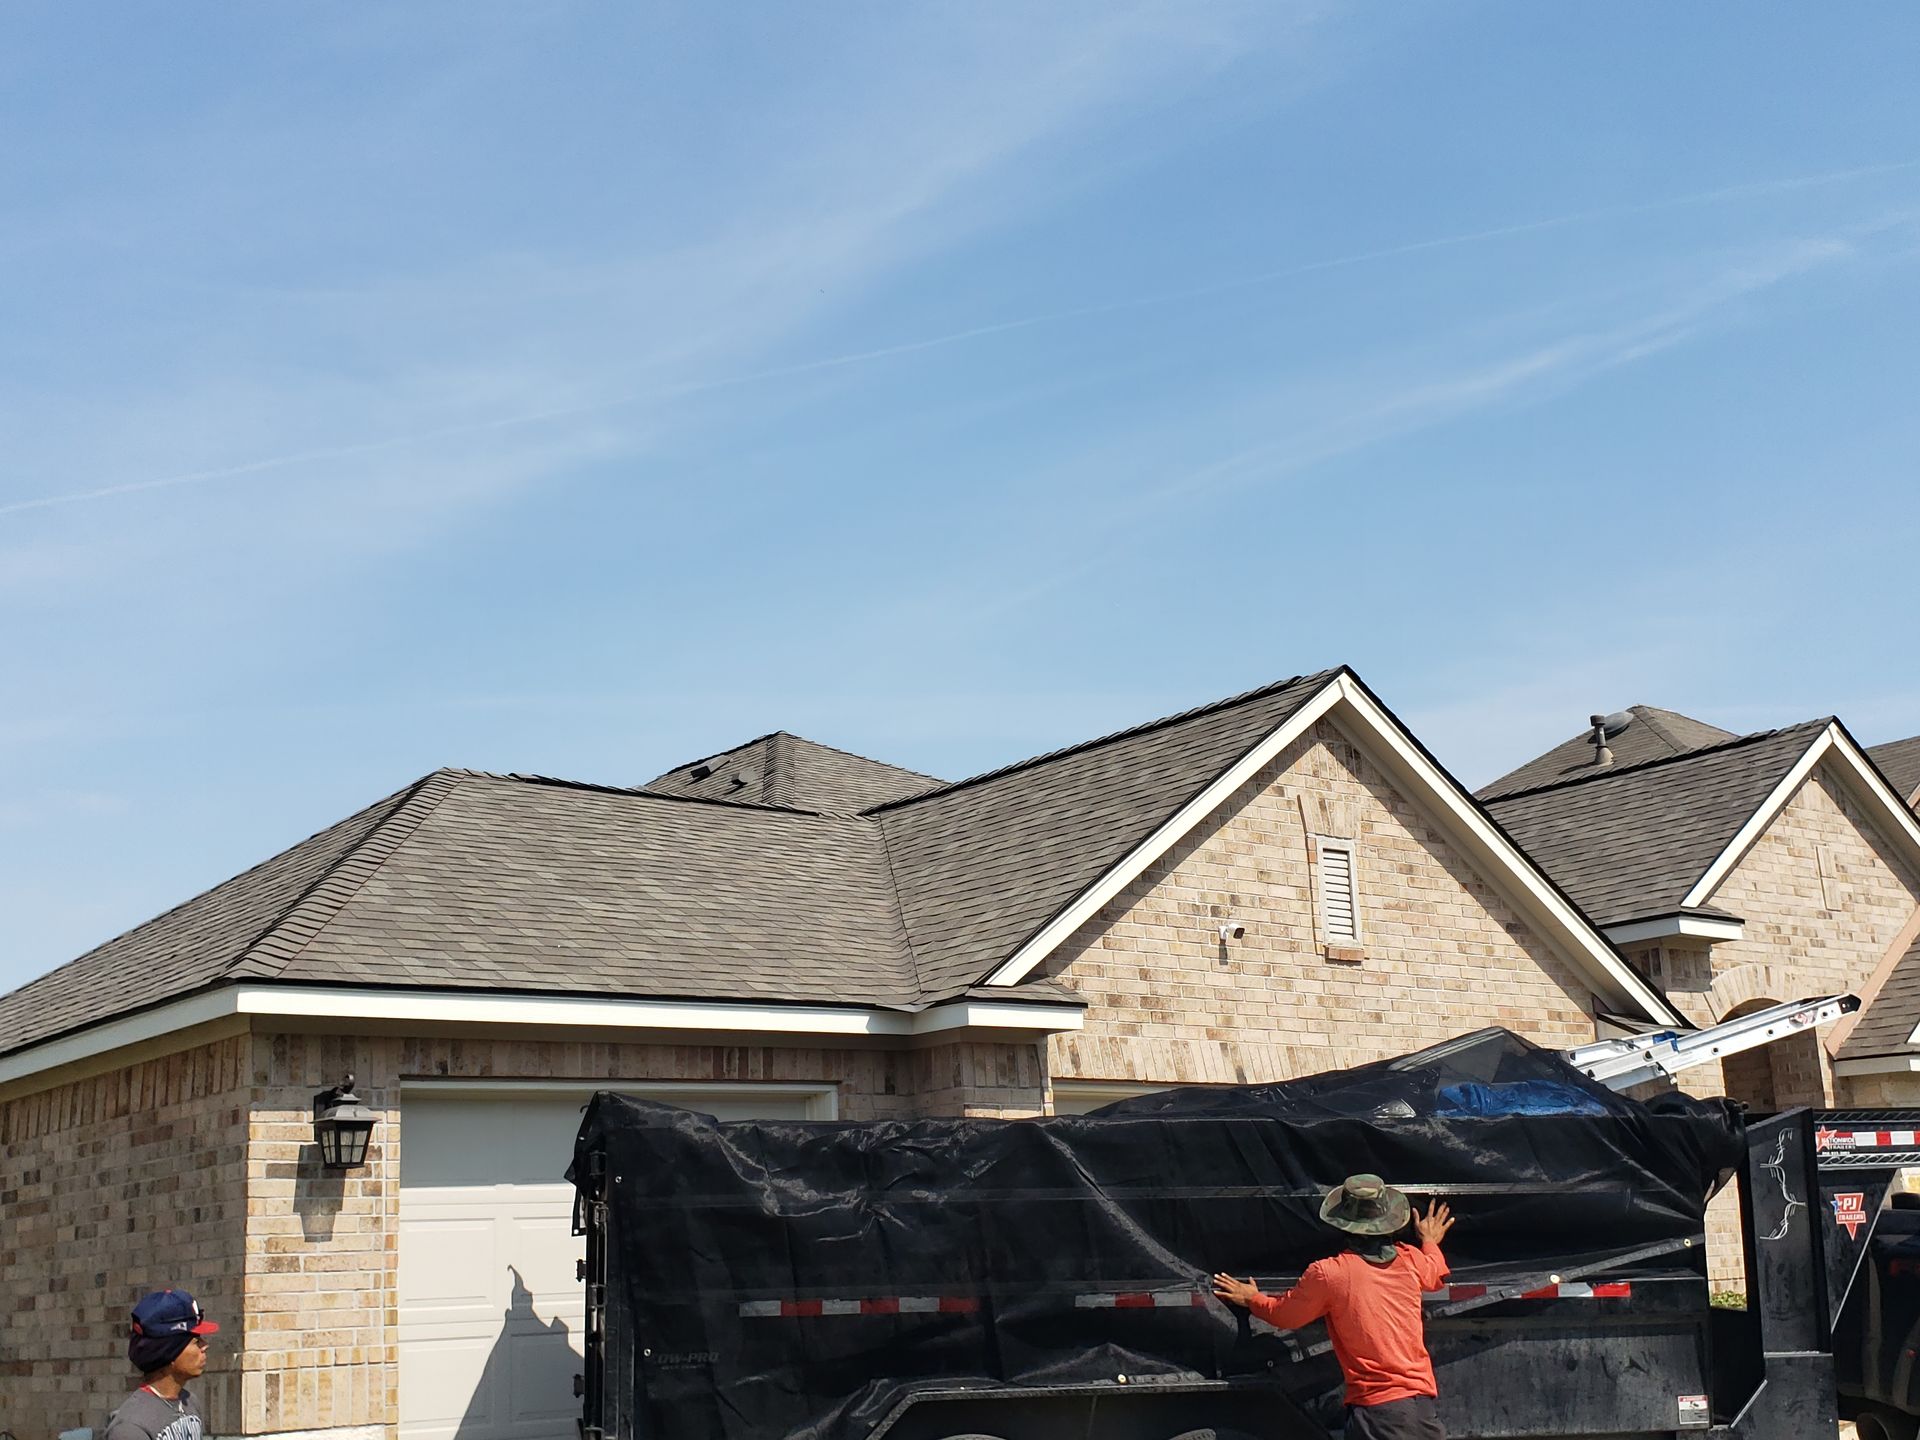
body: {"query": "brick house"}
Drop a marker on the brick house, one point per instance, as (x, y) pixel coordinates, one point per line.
(1272, 885)
(1899, 761)
(1735, 871)
(1738, 872)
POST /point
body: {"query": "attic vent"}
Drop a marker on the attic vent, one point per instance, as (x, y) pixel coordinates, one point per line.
(1339, 898)
(699, 772)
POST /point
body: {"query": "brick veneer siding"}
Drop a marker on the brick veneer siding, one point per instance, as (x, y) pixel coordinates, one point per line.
(1440, 952)
(1793, 946)
(198, 1169)
(129, 1181)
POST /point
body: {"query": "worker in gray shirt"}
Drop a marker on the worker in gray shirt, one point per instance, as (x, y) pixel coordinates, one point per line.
(168, 1346)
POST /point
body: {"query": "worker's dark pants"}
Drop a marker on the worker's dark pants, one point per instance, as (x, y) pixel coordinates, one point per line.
(1414, 1419)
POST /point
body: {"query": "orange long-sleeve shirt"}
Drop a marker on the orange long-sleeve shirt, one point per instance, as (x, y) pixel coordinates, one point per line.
(1373, 1316)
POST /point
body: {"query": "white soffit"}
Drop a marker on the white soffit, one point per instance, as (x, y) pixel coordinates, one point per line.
(440, 1007)
(1700, 927)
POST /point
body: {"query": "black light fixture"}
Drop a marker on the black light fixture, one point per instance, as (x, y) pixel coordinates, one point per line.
(342, 1127)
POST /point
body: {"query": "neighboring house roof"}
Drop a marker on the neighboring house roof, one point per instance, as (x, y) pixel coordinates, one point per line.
(1891, 1015)
(785, 769)
(1654, 734)
(469, 883)
(1899, 761)
(1633, 841)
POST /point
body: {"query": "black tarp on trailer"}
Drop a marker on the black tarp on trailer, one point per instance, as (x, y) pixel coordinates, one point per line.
(793, 1280)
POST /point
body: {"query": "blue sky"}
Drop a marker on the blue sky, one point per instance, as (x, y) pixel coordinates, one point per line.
(583, 389)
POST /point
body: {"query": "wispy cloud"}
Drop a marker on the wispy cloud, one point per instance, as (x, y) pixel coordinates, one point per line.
(1526, 369)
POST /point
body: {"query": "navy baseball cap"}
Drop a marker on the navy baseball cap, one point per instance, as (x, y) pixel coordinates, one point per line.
(170, 1312)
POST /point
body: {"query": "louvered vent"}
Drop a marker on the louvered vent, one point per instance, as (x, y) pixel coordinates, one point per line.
(1339, 904)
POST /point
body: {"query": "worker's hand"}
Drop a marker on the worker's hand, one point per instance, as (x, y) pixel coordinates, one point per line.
(1433, 1226)
(1239, 1292)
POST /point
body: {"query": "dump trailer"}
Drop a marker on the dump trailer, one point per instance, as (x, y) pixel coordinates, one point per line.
(1876, 1335)
(1048, 1279)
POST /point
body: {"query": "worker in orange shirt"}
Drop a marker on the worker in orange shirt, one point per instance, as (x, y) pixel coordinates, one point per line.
(1369, 1295)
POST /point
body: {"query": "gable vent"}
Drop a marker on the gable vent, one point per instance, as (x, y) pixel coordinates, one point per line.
(1339, 901)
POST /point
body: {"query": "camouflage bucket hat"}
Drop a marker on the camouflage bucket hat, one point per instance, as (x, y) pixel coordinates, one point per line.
(1366, 1205)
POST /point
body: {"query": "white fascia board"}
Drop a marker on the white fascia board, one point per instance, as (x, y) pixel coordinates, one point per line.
(997, 1015)
(1589, 949)
(295, 1002)
(1056, 931)
(1699, 927)
(1831, 744)
(1758, 822)
(1879, 1065)
(118, 1034)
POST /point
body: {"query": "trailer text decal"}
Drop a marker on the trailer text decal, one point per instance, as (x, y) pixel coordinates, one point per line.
(1851, 1211)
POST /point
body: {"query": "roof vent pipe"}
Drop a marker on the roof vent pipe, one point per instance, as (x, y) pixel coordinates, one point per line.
(1602, 754)
(1605, 727)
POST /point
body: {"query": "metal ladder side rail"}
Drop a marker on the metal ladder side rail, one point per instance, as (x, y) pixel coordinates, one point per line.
(1626, 1061)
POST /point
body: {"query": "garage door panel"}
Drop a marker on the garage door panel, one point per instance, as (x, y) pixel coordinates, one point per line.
(491, 1310)
(445, 1377)
(541, 1383)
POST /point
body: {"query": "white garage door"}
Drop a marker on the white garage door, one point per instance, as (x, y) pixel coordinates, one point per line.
(490, 1311)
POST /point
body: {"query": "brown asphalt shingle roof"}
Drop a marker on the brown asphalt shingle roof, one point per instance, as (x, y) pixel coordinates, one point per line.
(984, 864)
(517, 883)
(193, 944)
(1887, 1022)
(785, 769)
(1900, 761)
(1655, 734)
(1629, 842)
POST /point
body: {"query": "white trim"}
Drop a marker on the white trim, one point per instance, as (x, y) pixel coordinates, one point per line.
(1758, 821)
(1056, 931)
(823, 1100)
(440, 1007)
(1831, 743)
(1102, 1092)
(1486, 843)
(1701, 927)
(117, 1034)
(1879, 1065)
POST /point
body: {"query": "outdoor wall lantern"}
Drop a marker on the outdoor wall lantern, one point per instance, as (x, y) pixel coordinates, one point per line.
(342, 1127)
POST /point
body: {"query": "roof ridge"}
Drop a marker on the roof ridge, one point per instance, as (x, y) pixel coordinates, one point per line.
(1648, 715)
(1610, 772)
(202, 894)
(777, 783)
(1146, 727)
(644, 792)
(264, 958)
(856, 755)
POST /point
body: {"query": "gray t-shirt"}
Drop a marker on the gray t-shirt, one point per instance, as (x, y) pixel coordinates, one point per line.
(143, 1415)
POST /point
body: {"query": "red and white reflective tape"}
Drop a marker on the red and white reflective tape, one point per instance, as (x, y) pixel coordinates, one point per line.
(1866, 1139)
(1143, 1300)
(883, 1305)
(1130, 1300)
(1605, 1290)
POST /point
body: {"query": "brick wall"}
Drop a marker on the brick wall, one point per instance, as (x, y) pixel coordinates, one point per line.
(1807, 933)
(109, 1187)
(1441, 952)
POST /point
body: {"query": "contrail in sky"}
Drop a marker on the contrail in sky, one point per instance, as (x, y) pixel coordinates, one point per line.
(977, 332)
